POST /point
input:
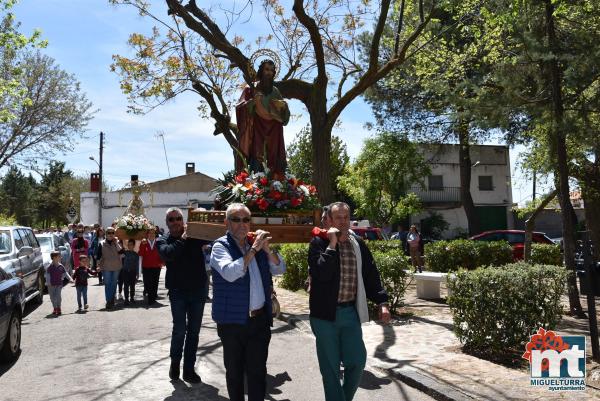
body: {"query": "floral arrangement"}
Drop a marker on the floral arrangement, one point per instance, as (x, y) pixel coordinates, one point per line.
(133, 224)
(268, 194)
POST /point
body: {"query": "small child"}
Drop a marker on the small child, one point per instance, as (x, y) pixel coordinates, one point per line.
(54, 277)
(131, 262)
(81, 275)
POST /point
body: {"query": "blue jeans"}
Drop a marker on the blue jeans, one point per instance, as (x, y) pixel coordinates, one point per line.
(110, 284)
(187, 308)
(81, 292)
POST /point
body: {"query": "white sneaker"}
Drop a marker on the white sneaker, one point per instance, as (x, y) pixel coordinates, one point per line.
(86, 306)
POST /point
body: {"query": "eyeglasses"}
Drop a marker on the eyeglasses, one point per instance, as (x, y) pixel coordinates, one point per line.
(240, 219)
(110, 233)
(172, 219)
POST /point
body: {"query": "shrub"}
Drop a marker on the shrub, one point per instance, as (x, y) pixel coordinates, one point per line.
(385, 246)
(446, 256)
(546, 254)
(496, 309)
(392, 266)
(296, 260)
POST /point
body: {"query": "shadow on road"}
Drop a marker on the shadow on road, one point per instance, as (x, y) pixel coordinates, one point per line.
(183, 391)
(273, 382)
(5, 367)
(369, 381)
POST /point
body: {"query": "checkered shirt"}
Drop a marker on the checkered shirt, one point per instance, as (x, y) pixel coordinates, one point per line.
(348, 272)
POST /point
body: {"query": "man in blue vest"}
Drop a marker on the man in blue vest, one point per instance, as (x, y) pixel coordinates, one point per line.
(242, 302)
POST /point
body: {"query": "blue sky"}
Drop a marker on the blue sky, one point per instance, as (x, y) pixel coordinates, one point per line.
(83, 36)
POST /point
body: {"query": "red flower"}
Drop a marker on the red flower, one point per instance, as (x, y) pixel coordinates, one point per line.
(262, 204)
(296, 202)
(312, 189)
(263, 181)
(258, 191)
(275, 195)
(241, 177)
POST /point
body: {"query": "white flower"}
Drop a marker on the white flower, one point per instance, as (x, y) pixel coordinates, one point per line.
(238, 189)
(304, 190)
(277, 185)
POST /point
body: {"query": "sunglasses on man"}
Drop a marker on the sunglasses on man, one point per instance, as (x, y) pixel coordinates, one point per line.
(172, 219)
(240, 219)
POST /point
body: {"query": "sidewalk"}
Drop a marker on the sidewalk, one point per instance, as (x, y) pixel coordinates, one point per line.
(422, 351)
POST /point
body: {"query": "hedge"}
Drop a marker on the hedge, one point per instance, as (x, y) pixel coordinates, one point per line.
(385, 246)
(391, 265)
(447, 256)
(496, 309)
(546, 254)
(296, 261)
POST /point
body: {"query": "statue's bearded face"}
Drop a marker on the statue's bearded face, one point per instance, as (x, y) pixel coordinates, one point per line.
(266, 75)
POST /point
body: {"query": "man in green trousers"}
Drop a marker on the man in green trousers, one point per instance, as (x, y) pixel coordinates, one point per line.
(343, 275)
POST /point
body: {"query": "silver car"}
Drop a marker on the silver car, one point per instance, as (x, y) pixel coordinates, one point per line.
(52, 242)
(21, 256)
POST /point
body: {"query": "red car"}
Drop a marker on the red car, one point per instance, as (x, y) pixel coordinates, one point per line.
(514, 237)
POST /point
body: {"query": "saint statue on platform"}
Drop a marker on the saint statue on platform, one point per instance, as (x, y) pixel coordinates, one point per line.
(261, 114)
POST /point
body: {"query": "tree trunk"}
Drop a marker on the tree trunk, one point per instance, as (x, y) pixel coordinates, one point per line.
(558, 138)
(321, 144)
(530, 223)
(590, 192)
(465, 178)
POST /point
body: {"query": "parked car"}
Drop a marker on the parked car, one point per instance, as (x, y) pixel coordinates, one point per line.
(51, 243)
(12, 304)
(369, 233)
(21, 256)
(516, 238)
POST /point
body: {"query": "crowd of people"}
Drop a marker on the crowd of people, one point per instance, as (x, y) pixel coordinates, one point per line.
(343, 275)
(98, 253)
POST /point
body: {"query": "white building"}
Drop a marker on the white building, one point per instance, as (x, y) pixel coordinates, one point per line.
(192, 189)
(491, 188)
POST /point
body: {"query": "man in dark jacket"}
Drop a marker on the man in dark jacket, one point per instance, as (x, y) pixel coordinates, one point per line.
(186, 280)
(343, 276)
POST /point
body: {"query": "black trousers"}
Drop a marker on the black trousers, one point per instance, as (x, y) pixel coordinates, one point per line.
(245, 351)
(151, 276)
(129, 283)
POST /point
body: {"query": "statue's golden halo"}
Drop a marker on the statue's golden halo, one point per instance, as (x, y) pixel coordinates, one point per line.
(261, 54)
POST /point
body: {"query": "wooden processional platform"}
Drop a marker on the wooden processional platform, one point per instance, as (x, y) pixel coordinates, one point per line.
(288, 227)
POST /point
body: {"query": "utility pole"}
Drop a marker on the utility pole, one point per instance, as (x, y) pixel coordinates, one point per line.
(101, 179)
(534, 184)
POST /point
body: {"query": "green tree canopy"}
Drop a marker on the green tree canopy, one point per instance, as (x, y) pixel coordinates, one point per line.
(380, 179)
(300, 157)
(52, 119)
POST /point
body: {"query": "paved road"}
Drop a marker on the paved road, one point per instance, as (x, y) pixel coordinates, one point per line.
(123, 355)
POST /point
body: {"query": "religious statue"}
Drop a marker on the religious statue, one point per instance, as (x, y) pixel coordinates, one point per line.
(261, 114)
(136, 204)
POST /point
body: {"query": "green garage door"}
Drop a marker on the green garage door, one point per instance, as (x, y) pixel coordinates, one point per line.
(491, 217)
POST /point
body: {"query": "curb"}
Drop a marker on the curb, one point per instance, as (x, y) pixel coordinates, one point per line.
(427, 385)
(423, 383)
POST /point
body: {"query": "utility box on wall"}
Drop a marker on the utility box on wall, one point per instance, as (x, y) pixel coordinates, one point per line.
(95, 182)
